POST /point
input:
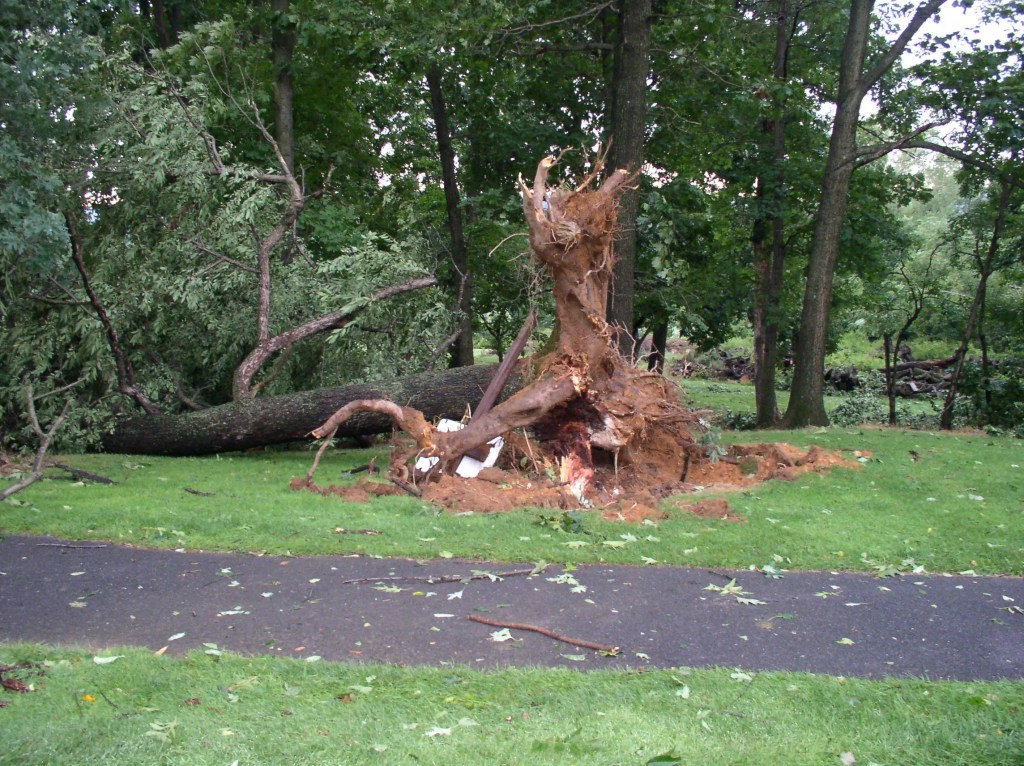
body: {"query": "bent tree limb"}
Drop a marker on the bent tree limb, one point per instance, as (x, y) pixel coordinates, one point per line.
(45, 437)
(334, 320)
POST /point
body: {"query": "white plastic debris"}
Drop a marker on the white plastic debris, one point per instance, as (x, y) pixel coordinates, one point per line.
(468, 468)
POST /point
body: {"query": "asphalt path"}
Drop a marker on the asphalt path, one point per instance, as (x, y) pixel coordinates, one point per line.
(364, 609)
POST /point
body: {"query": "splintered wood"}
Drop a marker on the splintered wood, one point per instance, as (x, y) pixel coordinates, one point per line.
(603, 429)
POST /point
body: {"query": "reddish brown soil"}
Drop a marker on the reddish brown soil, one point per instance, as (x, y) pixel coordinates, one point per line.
(618, 498)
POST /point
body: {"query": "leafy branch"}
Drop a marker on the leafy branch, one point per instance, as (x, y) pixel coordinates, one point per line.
(45, 437)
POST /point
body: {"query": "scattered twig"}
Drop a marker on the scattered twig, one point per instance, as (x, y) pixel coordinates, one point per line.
(67, 545)
(406, 486)
(443, 578)
(608, 650)
(342, 531)
(78, 473)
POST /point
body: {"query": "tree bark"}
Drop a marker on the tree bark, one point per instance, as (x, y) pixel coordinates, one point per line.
(806, 400)
(462, 350)
(769, 260)
(659, 348)
(163, 39)
(768, 269)
(283, 46)
(629, 125)
(252, 423)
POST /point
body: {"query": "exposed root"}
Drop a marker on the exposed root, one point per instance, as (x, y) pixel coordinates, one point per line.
(587, 406)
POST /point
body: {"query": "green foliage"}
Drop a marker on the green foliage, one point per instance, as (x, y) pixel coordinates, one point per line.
(98, 121)
(571, 522)
(998, 402)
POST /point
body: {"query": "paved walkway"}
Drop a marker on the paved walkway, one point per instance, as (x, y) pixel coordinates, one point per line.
(96, 596)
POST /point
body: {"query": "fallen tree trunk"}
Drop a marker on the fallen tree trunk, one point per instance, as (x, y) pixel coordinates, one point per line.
(923, 364)
(281, 419)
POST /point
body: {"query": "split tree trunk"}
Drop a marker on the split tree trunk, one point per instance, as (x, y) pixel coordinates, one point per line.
(587, 399)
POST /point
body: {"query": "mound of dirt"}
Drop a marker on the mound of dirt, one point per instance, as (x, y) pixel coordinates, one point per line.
(712, 508)
(618, 496)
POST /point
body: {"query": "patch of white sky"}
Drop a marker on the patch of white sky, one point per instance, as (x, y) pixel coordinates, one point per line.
(962, 27)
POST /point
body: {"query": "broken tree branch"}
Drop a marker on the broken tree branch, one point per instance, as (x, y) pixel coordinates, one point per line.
(434, 580)
(125, 372)
(44, 444)
(610, 651)
(268, 346)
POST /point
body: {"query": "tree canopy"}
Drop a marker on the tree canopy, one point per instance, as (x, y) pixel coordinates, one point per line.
(216, 201)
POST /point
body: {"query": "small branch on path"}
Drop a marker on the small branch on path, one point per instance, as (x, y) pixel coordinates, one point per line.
(67, 545)
(444, 578)
(611, 651)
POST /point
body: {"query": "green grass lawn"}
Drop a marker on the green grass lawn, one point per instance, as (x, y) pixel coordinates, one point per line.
(950, 502)
(945, 502)
(727, 397)
(224, 710)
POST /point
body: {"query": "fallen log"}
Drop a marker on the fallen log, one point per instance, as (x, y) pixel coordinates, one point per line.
(273, 420)
(922, 364)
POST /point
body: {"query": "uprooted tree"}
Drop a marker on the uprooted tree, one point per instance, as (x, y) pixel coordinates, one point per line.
(591, 412)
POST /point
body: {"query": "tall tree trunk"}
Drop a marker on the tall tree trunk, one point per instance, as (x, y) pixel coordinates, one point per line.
(946, 417)
(768, 269)
(163, 39)
(806, 400)
(659, 348)
(986, 266)
(769, 263)
(890, 375)
(283, 47)
(629, 122)
(986, 364)
(462, 285)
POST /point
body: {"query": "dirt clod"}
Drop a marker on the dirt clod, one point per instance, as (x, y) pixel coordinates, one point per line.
(623, 497)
